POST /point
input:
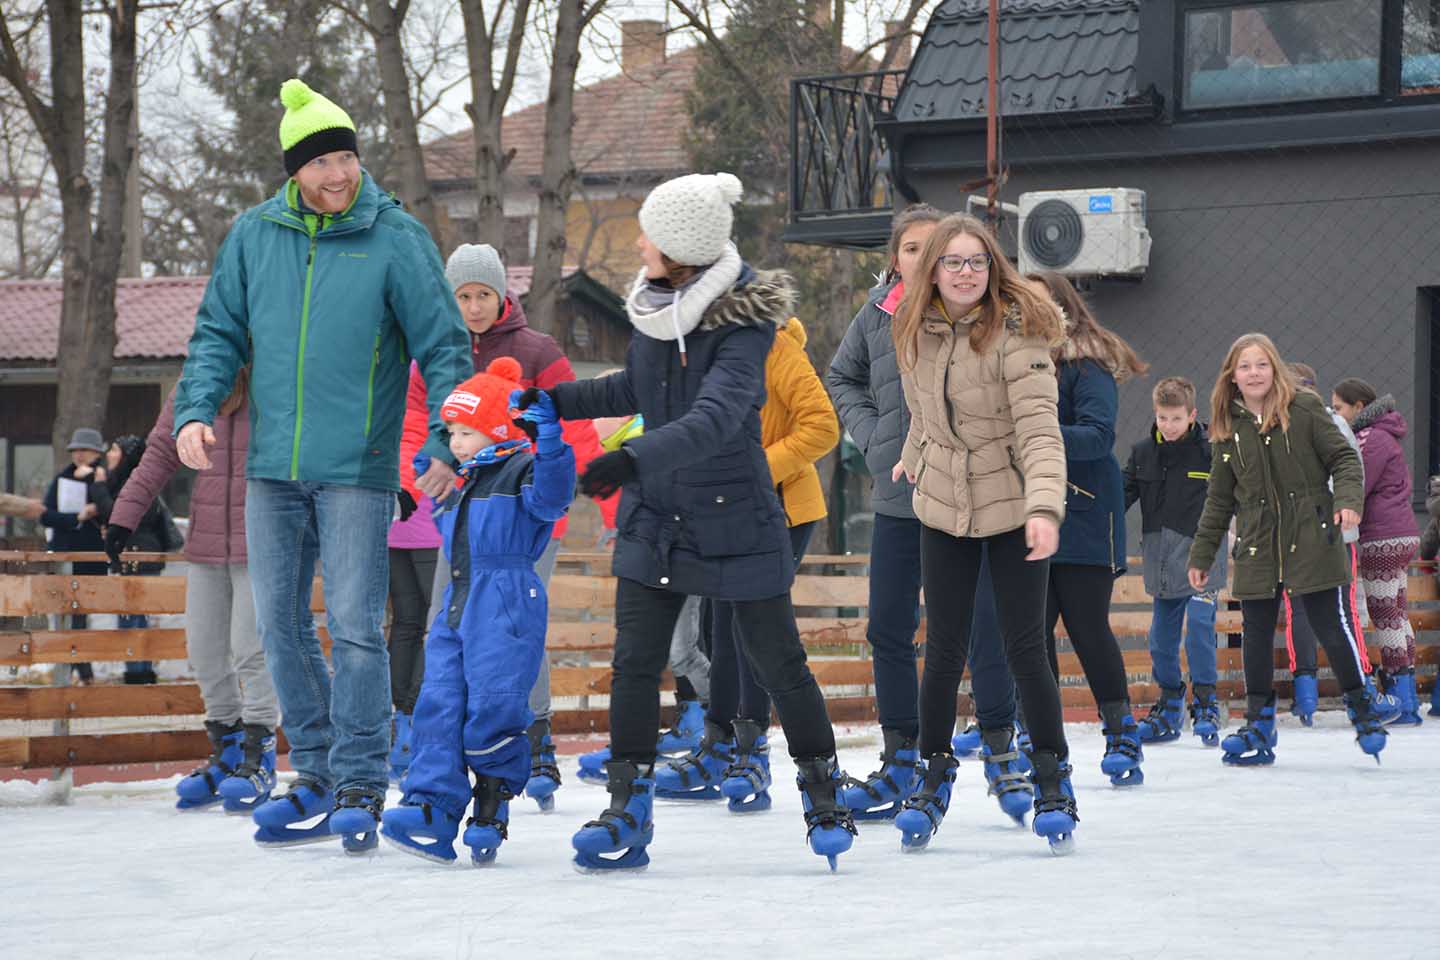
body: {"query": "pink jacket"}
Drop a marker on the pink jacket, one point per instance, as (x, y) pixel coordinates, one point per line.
(217, 501)
(419, 532)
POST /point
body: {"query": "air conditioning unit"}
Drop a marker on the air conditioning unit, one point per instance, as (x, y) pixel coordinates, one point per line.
(1084, 233)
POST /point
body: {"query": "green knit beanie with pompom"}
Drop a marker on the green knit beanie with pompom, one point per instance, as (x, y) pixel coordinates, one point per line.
(312, 126)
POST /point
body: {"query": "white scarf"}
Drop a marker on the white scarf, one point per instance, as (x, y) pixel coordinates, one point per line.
(670, 314)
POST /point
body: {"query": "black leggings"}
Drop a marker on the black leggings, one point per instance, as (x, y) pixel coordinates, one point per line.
(1081, 594)
(644, 622)
(1331, 618)
(412, 576)
(950, 567)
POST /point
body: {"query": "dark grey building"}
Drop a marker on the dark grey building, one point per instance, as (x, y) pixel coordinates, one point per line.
(1288, 150)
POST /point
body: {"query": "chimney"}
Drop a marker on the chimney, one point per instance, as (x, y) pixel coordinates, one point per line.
(642, 44)
(902, 55)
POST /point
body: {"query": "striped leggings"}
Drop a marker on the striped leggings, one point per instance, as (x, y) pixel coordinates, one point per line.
(1383, 569)
(1332, 617)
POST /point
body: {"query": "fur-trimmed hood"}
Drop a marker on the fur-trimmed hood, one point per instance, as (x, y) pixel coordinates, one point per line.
(758, 298)
(1381, 413)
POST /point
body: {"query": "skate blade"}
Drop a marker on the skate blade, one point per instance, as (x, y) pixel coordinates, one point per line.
(360, 844)
(758, 803)
(545, 803)
(1062, 846)
(834, 864)
(635, 859)
(302, 838)
(918, 846)
(190, 806)
(419, 853)
(709, 793)
(483, 857)
(597, 779)
(1130, 778)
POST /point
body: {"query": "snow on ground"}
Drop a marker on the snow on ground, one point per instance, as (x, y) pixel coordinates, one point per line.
(1325, 854)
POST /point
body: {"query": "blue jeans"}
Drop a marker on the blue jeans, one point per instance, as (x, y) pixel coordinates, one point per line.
(991, 686)
(1198, 614)
(339, 731)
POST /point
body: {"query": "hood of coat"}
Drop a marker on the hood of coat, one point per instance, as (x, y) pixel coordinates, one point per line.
(1381, 415)
(758, 298)
(795, 330)
(132, 448)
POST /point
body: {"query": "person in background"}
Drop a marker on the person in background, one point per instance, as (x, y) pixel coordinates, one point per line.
(79, 531)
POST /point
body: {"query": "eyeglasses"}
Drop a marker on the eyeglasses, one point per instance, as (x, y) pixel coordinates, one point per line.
(954, 263)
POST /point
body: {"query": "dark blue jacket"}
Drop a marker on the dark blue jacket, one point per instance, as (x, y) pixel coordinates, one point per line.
(702, 517)
(1094, 529)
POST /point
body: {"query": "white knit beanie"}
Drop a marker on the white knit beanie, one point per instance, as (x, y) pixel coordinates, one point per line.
(689, 218)
(476, 263)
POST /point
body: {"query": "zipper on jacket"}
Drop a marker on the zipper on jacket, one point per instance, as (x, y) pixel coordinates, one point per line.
(1080, 490)
(312, 229)
(370, 385)
(920, 470)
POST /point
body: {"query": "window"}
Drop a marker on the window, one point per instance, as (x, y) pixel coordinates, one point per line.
(1266, 53)
(1420, 48)
(32, 466)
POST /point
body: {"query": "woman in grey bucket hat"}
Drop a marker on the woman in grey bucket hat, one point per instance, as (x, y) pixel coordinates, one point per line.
(86, 438)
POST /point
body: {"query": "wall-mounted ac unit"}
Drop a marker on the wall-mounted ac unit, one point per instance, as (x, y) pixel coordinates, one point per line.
(1084, 233)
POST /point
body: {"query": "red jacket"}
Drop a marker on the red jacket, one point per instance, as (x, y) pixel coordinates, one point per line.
(541, 365)
(217, 501)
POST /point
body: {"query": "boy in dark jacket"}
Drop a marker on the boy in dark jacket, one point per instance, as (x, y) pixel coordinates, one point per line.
(484, 651)
(1168, 472)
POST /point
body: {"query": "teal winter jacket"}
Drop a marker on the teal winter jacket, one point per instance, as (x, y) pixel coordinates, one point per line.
(328, 310)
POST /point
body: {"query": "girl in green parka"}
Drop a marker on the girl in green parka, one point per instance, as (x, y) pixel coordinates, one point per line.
(1275, 451)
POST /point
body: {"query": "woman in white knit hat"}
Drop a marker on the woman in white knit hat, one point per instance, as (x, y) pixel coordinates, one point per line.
(698, 509)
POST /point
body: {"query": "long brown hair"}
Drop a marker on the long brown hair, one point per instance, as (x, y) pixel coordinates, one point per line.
(1088, 340)
(238, 393)
(904, 220)
(1275, 410)
(1004, 286)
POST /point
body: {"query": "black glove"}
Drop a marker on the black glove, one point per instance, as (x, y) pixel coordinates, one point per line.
(407, 504)
(532, 395)
(116, 537)
(608, 473)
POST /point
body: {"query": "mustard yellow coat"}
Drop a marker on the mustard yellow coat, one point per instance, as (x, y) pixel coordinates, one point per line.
(797, 425)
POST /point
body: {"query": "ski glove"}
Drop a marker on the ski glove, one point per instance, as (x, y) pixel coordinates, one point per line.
(608, 473)
(407, 504)
(116, 537)
(538, 418)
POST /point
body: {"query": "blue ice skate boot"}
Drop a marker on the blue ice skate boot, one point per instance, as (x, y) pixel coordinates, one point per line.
(1385, 706)
(420, 830)
(544, 771)
(880, 795)
(616, 840)
(1370, 734)
(829, 828)
(746, 784)
(202, 787)
(1404, 691)
(1435, 698)
(1005, 778)
(399, 759)
(1253, 745)
(1205, 714)
(689, 728)
(925, 809)
(282, 820)
(1166, 718)
(356, 818)
(1055, 811)
(967, 741)
(252, 781)
(490, 824)
(1123, 754)
(1307, 698)
(592, 766)
(698, 775)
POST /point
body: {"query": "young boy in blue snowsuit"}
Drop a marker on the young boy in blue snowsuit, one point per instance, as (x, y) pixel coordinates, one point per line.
(1169, 473)
(484, 649)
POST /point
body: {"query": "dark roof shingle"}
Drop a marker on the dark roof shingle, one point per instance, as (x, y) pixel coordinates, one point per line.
(1055, 56)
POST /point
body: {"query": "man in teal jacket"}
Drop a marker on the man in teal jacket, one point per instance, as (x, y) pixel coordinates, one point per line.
(327, 290)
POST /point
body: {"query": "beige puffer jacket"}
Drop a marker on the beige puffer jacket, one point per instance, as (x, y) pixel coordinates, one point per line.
(984, 442)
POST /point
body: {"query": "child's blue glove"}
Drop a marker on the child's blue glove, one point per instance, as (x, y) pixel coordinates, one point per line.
(538, 407)
(421, 463)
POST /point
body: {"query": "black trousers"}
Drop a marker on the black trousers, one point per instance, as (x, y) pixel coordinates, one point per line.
(1080, 593)
(1333, 622)
(412, 577)
(950, 567)
(644, 621)
(734, 691)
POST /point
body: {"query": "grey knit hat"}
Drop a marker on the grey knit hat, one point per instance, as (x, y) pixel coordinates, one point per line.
(87, 438)
(476, 263)
(689, 218)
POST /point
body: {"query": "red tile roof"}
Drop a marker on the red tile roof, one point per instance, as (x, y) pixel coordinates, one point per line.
(154, 317)
(631, 123)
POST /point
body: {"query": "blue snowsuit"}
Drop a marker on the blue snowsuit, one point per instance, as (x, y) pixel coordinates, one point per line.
(484, 649)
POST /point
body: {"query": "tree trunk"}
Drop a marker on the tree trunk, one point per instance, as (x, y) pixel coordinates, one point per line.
(557, 173)
(486, 107)
(386, 23)
(87, 341)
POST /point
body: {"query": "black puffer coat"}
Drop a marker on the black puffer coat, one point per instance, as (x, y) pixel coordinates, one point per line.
(703, 517)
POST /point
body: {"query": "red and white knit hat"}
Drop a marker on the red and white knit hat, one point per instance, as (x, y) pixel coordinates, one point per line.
(483, 401)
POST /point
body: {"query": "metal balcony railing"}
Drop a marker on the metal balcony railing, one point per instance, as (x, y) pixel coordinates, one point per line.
(835, 151)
